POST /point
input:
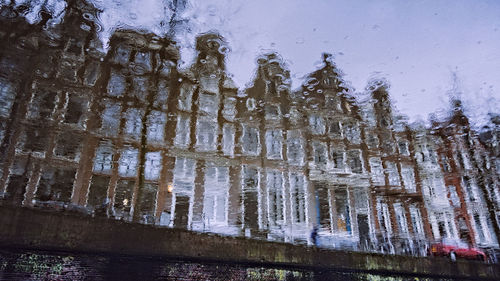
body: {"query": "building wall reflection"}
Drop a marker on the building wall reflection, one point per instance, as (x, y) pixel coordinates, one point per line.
(128, 134)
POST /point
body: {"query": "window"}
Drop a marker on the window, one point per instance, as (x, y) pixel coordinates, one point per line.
(161, 98)
(338, 158)
(92, 73)
(479, 228)
(123, 198)
(147, 202)
(56, 185)
(429, 187)
(295, 151)
(354, 158)
(316, 124)
(274, 183)
(68, 145)
(439, 188)
(184, 168)
(416, 220)
(408, 178)
(215, 201)
(343, 210)
(208, 104)
(251, 104)
(273, 112)
(372, 140)
(298, 197)
(110, 119)
(403, 148)
(432, 154)
(465, 159)
(74, 47)
(127, 165)
(3, 126)
(250, 140)
(228, 139)
(42, 105)
(384, 217)
(184, 176)
(229, 111)
(332, 103)
(251, 205)
(320, 153)
(98, 191)
(116, 84)
(182, 131)
(335, 129)
(185, 97)
(377, 171)
(7, 96)
(103, 161)
(206, 135)
(274, 143)
(156, 126)
(469, 188)
(133, 123)
(392, 173)
(152, 167)
(142, 62)
(446, 163)
(353, 133)
(387, 145)
(122, 55)
(140, 87)
(401, 219)
(324, 199)
(75, 109)
(210, 82)
(34, 139)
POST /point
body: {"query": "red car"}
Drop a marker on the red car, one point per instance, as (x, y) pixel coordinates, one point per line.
(456, 249)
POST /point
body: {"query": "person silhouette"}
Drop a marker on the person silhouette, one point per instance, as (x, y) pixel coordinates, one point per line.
(314, 235)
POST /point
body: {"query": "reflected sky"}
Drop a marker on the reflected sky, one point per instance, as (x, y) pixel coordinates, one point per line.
(417, 45)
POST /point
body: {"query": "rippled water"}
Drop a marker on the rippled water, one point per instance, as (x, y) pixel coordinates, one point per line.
(124, 131)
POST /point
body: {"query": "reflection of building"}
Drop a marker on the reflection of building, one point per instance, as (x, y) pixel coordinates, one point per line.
(471, 185)
(395, 179)
(128, 134)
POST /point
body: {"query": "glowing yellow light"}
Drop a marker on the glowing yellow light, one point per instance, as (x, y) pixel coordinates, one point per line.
(125, 202)
(170, 187)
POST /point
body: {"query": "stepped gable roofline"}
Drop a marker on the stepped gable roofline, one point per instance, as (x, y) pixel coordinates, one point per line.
(272, 67)
(212, 43)
(377, 83)
(140, 39)
(378, 88)
(271, 79)
(326, 78)
(317, 80)
(145, 41)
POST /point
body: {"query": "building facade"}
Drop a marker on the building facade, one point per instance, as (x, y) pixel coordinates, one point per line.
(126, 133)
